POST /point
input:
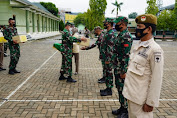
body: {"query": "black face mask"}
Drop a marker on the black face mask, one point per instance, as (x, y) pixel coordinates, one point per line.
(118, 28)
(139, 33)
(14, 25)
(105, 26)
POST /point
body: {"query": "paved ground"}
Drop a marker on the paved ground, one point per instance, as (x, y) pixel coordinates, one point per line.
(37, 93)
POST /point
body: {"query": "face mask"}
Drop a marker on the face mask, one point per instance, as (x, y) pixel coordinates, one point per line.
(14, 25)
(139, 33)
(117, 27)
(105, 26)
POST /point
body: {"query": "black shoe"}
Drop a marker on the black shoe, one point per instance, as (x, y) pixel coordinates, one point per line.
(106, 92)
(123, 115)
(5, 55)
(1, 69)
(102, 80)
(15, 71)
(62, 77)
(71, 80)
(11, 72)
(118, 111)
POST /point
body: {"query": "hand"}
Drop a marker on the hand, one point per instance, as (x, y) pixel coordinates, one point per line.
(15, 42)
(122, 76)
(83, 48)
(107, 62)
(147, 108)
(83, 39)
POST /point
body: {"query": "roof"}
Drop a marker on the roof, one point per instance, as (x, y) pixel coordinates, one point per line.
(167, 7)
(37, 6)
(40, 7)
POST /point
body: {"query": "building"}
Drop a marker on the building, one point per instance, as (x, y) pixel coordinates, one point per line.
(70, 17)
(30, 17)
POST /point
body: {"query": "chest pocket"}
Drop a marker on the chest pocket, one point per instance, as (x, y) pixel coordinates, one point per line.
(137, 65)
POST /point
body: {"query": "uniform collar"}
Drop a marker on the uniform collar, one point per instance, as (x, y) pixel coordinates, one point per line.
(144, 43)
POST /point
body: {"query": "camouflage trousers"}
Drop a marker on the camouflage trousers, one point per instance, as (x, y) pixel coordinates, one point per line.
(119, 85)
(5, 47)
(103, 66)
(108, 75)
(14, 55)
(66, 67)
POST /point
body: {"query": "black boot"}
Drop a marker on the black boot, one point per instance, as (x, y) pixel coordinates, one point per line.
(62, 77)
(106, 92)
(123, 115)
(15, 71)
(1, 69)
(11, 72)
(69, 79)
(102, 80)
(118, 111)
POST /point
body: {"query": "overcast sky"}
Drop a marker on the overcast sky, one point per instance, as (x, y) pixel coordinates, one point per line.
(127, 7)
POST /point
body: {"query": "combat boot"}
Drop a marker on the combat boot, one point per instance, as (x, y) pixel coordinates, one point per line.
(123, 114)
(69, 79)
(102, 80)
(106, 92)
(11, 72)
(118, 111)
(15, 71)
(62, 77)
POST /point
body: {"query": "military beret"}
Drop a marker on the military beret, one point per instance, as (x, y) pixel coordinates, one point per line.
(146, 18)
(97, 27)
(68, 23)
(110, 20)
(121, 18)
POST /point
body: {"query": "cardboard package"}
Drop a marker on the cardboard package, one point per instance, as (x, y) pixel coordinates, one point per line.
(87, 43)
(20, 38)
(2, 39)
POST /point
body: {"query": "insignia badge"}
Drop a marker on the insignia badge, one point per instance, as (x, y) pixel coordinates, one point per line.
(143, 18)
(157, 58)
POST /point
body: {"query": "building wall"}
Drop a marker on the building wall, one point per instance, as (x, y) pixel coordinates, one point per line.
(70, 17)
(36, 21)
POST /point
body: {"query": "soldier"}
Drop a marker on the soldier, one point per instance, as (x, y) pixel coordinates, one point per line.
(107, 47)
(122, 49)
(14, 47)
(144, 76)
(98, 32)
(87, 32)
(67, 41)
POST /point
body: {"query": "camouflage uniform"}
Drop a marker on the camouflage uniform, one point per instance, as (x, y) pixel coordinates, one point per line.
(99, 43)
(9, 32)
(107, 45)
(67, 41)
(122, 49)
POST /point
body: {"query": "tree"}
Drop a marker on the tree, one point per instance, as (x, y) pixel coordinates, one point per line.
(132, 15)
(118, 5)
(61, 25)
(175, 16)
(95, 15)
(80, 19)
(50, 7)
(152, 7)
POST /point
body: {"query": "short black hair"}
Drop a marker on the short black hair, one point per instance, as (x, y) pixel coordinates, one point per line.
(11, 19)
(153, 26)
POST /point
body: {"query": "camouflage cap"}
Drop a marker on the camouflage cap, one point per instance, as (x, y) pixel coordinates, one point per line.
(97, 27)
(121, 18)
(146, 18)
(109, 20)
(68, 23)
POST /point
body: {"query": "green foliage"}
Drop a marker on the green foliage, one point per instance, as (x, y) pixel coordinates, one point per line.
(132, 15)
(94, 16)
(152, 7)
(50, 7)
(118, 7)
(61, 25)
(80, 19)
(167, 21)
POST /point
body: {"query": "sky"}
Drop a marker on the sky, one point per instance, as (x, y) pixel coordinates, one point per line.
(128, 6)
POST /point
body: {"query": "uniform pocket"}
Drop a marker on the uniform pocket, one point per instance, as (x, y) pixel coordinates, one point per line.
(137, 65)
